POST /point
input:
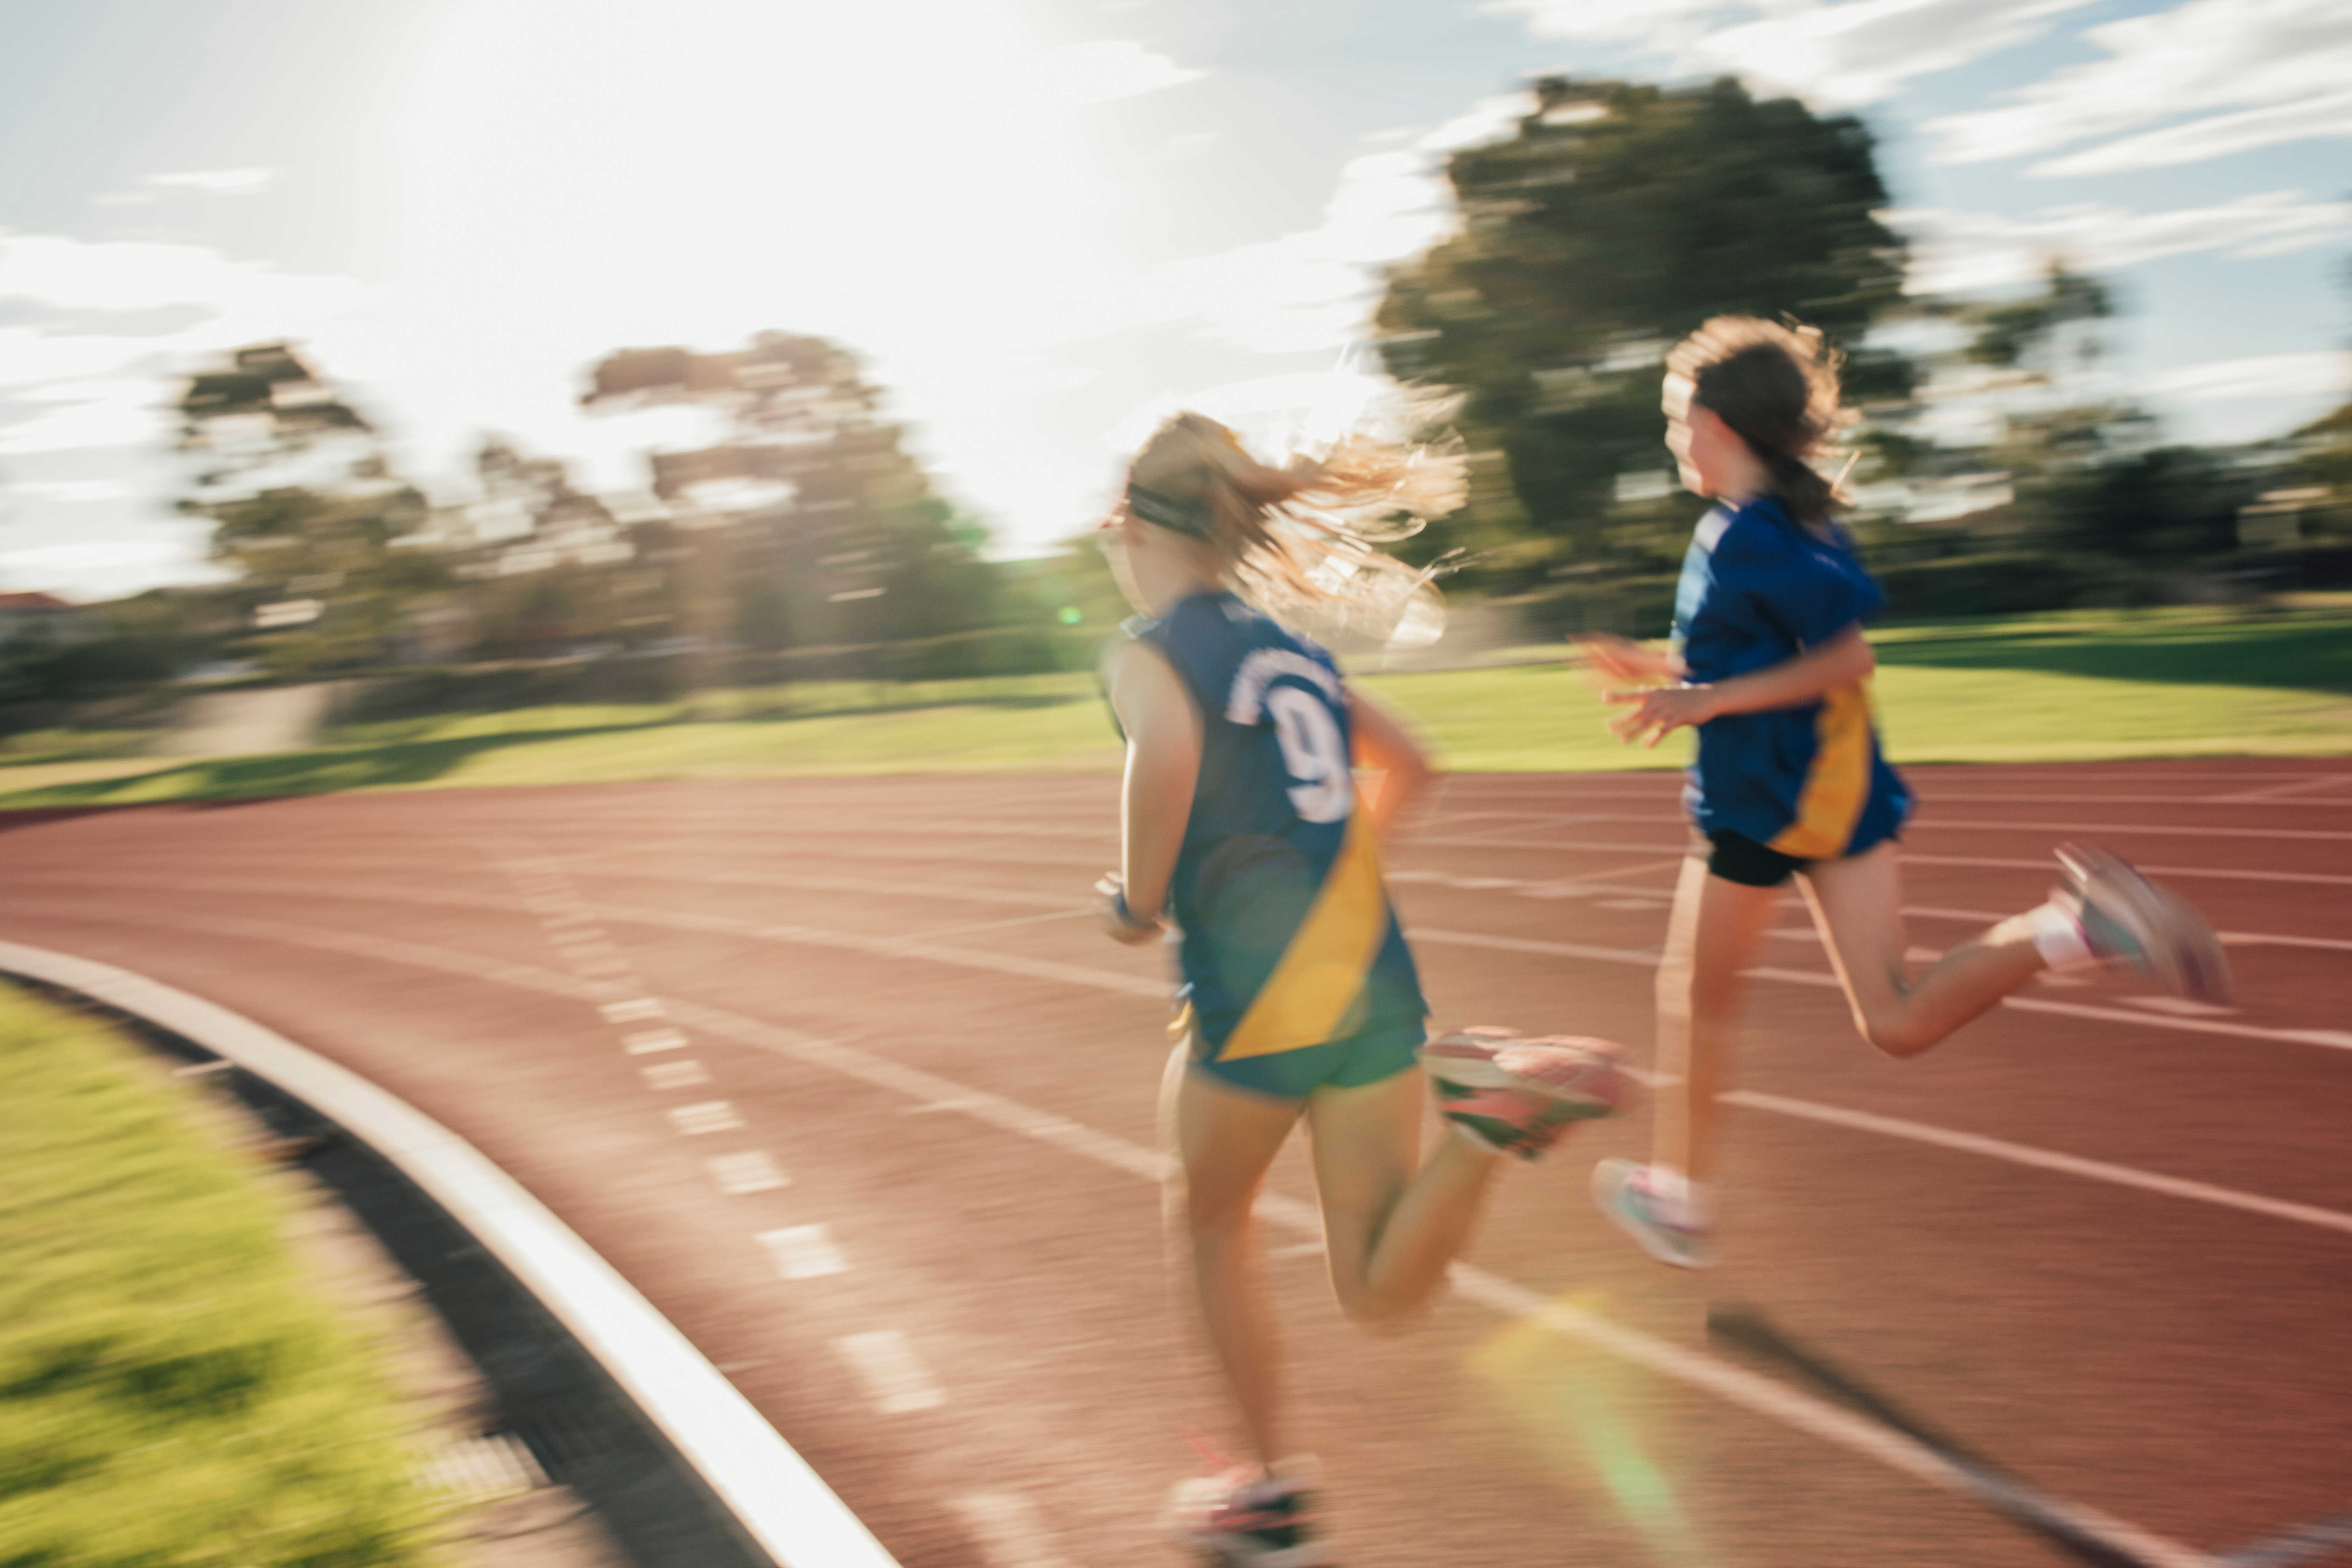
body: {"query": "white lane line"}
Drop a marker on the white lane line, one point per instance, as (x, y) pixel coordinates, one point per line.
(1008, 1529)
(1695, 1369)
(1139, 985)
(1552, 888)
(752, 1171)
(2276, 792)
(2333, 1039)
(2229, 938)
(2045, 1159)
(711, 1116)
(2180, 1006)
(646, 1042)
(1926, 823)
(1000, 925)
(676, 1075)
(640, 1010)
(1982, 862)
(896, 1378)
(2029, 798)
(803, 1252)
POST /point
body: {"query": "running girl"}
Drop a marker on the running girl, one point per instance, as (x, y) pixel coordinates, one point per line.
(1771, 668)
(1243, 822)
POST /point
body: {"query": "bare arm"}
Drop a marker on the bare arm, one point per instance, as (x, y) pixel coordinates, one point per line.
(1163, 762)
(1614, 662)
(1385, 747)
(1843, 660)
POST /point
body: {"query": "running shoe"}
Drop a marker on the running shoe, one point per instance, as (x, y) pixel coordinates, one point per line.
(1247, 1519)
(2124, 916)
(1628, 1195)
(1516, 1094)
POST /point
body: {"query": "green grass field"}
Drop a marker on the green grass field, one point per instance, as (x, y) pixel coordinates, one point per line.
(170, 1395)
(2079, 686)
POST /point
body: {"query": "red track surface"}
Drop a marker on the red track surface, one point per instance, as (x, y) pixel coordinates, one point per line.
(2175, 1357)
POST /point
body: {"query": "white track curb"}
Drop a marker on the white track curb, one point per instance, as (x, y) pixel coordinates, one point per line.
(777, 1500)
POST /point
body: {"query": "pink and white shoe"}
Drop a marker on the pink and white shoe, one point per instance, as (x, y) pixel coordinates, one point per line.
(2124, 916)
(1246, 1518)
(1516, 1094)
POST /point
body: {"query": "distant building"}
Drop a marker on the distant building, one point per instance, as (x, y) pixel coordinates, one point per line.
(43, 620)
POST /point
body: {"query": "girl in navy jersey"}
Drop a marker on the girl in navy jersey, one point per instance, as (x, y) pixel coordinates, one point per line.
(1768, 662)
(1246, 825)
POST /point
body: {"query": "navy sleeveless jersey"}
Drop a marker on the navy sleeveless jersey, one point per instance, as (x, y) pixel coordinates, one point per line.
(1288, 939)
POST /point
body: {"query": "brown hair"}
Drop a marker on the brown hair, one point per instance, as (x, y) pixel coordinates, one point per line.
(1777, 387)
(1304, 534)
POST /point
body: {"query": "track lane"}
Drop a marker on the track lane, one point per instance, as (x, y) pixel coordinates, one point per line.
(1918, 1322)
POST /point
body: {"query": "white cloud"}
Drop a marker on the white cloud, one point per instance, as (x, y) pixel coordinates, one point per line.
(1316, 288)
(108, 389)
(72, 492)
(1834, 56)
(1961, 253)
(125, 413)
(2324, 372)
(85, 275)
(2212, 58)
(217, 181)
(2214, 136)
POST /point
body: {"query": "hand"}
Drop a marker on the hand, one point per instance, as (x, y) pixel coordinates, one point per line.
(1615, 662)
(1660, 711)
(1119, 922)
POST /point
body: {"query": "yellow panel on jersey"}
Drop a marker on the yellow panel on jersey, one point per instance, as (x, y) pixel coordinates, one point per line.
(1321, 974)
(1837, 784)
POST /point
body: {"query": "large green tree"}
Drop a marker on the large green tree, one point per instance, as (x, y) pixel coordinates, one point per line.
(829, 529)
(305, 508)
(1614, 220)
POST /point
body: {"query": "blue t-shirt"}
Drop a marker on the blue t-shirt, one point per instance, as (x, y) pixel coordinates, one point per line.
(1288, 939)
(1757, 590)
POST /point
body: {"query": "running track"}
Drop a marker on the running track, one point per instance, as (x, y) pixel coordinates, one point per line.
(838, 1073)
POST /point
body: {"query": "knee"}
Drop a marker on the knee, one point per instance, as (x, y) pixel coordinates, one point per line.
(1894, 1034)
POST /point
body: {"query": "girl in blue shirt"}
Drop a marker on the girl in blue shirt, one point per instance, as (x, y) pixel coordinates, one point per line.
(1769, 664)
(1246, 825)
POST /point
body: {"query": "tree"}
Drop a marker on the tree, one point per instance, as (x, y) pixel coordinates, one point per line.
(305, 507)
(1617, 219)
(828, 527)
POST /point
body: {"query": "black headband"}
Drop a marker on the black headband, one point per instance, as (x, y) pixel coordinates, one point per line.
(1186, 517)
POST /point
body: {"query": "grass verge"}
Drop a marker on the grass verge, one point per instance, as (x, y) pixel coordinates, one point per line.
(170, 1395)
(2086, 685)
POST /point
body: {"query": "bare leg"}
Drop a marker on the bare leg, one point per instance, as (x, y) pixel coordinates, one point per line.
(1390, 1230)
(1858, 906)
(1224, 1139)
(1711, 936)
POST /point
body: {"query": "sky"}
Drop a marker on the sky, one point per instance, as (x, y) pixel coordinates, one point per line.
(1042, 223)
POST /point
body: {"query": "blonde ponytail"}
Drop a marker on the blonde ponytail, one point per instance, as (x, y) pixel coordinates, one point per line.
(1301, 540)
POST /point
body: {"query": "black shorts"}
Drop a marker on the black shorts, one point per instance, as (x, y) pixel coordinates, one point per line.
(1736, 858)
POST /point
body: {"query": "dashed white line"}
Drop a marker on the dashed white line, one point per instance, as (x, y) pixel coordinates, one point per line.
(749, 1172)
(1752, 1391)
(637, 1010)
(646, 1042)
(2045, 1159)
(803, 1252)
(676, 1075)
(711, 1116)
(896, 1378)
